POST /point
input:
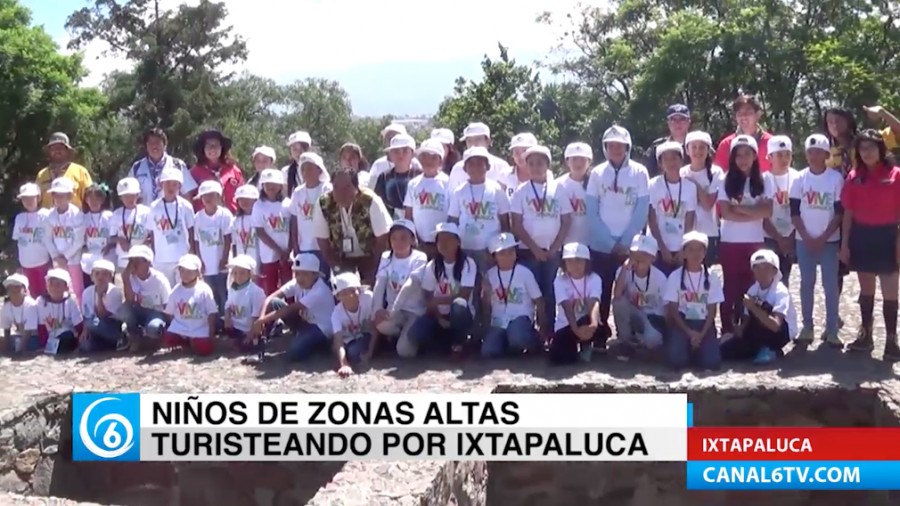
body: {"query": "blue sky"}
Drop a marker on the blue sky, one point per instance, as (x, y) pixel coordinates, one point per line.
(397, 57)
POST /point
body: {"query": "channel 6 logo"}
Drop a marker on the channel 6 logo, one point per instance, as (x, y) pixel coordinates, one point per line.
(106, 427)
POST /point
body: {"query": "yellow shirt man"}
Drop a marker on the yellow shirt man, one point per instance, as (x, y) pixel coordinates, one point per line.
(59, 150)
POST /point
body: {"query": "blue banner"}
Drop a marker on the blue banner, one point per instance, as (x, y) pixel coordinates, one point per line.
(799, 475)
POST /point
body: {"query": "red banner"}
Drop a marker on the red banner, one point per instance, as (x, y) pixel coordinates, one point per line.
(793, 443)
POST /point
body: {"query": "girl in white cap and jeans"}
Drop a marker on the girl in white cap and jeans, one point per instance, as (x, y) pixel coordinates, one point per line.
(129, 223)
(780, 234)
(19, 316)
(172, 223)
(191, 310)
(351, 322)
(64, 234)
(578, 328)
(146, 291)
(212, 239)
(102, 309)
(29, 233)
(59, 315)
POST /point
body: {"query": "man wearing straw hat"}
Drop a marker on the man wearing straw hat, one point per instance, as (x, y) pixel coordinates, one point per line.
(59, 153)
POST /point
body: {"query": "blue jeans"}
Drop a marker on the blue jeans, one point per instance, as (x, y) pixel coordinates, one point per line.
(519, 335)
(827, 259)
(680, 352)
(428, 333)
(544, 274)
(356, 348)
(483, 261)
(140, 319)
(219, 285)
(103, 334)
(308, 338)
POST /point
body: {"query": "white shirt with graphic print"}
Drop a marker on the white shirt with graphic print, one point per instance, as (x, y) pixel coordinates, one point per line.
(781, 203)
(707, 220)
(646, 292)
(210, 232)
(171, 223)
(275, 219)
(542, 206)
(577, 290)
(779, 297)
(113, 300)
(318, 302)
(448, 286)
(618, 191)
(478, 208)
(151, 293)
(352, 324)
(671, 202)
(59, 317)
(303, 207)
(190, 308)
(244, 238)
(513, 293)
(692, 296)
(19, 319)
(244, 305)
(64, 233)
(429, 199)
(28, 232)
(580, 229)
(818, 194)
(97, 231)
(745, 231)
(394, 272)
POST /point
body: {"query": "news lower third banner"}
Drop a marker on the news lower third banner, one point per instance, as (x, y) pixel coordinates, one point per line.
(342, 427)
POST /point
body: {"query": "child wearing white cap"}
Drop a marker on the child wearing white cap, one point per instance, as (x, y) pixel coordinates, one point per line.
(64, 233)
(19, 316)
(706, 177)
(263, 158)
(102, 309)
(578, 329)
(392, 314)
(304, 305)
(303, 206)
(244, 304)
(212, 239)
(511, 297)
(578, 157)
(448, 283)
(673, 203)
(243, 232)
(272, 219)
(519, 173)
(383, 164)
(191, 310)
(129, 224)
(638, 307)
(145, 292)
(392, 185)
(172, 224)
(351, 322)
(28, 231)
(478, 135)
(59, 315)
(298, 143)
(780, 233)
(427, 201)
(769, 321)
(692, 296)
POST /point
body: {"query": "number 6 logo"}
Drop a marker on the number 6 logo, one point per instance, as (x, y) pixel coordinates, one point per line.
(112, 438)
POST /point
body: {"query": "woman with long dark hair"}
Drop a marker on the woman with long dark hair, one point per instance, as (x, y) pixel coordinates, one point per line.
(214, 162)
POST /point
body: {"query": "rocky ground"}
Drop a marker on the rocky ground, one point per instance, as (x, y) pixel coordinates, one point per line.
(25, 382)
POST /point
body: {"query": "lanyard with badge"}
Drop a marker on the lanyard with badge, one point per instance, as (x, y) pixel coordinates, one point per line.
(581, 294)
(692, 311)
(18, 323)
(540, 200)
(503, 320)
(52, 346)
(128, 232)
(354, 331)
(676, 204)
(347, 225)
(246, 234)
(172, 237)
(95, 243)
(473, 229)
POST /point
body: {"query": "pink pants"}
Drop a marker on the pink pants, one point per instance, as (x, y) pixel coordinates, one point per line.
(77, 285)
(274, 275)
(201, 346)
(37, 284)
(737, 278)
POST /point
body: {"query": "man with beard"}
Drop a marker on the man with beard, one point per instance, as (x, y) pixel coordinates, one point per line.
(59, 164)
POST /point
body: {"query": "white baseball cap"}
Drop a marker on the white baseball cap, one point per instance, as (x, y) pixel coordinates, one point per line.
(103, 265)
(476, 152)
(271, 176)
(140, 251)
(575, 250)
(29, 190)
(539, 150)
(242, 262)
(444, 135)
(60, 274)
(266, 151)
(208, 187)
(694, 236)
(765, 256)
(313, 158)
(446, 228)
(393, 128)
(170, 174)
(523, 140)
(669, 146)
(432, 146)
(190, 262)
(645, 244)
(299, 136)
(698, 136)
(502, 241)
(779, 143)
(476, 130)
(128, 186)
(402, 141)
(818, 141)
(306, 262)
(346, 280)
(744, 140)
(62, 185)
(581, 149)
(247, 191)
(16, 279)
(406, 224)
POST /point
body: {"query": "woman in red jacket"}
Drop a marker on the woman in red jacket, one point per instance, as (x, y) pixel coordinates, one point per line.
(214, 163)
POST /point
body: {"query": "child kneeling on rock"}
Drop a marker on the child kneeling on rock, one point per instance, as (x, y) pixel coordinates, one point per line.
(59, 317)
(638, 307)
(191, 310)
(101, 305)
(351, 321)
(146, 291)
(244, 303)
(769, 321)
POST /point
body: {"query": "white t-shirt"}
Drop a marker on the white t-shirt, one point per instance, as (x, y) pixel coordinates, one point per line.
(171, 223)
(151, 293)
(817, 194)
(190, 309)
(382, 165)
(244, 238)
(18, 319)
(707, 220)
(210, 232)
(395, 271)
(97, 231)
(579, 231)
(353, 323)
(780, 299)
(244, 305)
(303, 206)
(28, 232)
(496, 168)
(513, 293)
(646, 292)
(541, 207)
(318, 302)
(694, 298)
(745, 231)
(781, 204)
(510, 180)
(379, 217)
(112, 301)
(577, 290)
(59, 317)
(671, 203)
(66, 233)
(448, 285)
(429, 199)
(478, 209)
(275, 219)
(618, 196)
(132, 224)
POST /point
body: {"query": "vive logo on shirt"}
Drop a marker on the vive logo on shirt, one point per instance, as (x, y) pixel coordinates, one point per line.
(236, 311)
(29, 234)
(691, 297)
(248, 238)
(511, 295)
(352, 327)
(165, 225)
(63, 232)
(781, 198)
(277, 223)
(306, 210)
(210, 237)
(481, 210)
(189, 310)
(134, 230)
(547, 207)
(445, 287)
(53, 323)
(429, 200)
(643, 299)
(670, 207)
(94, 232)
(396, 280)
(629, 193)
(819, 200)
(579, 207)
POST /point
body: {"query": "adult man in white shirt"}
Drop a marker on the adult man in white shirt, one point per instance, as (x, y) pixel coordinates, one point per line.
(148, 169)
(477, 135)
(382, 165)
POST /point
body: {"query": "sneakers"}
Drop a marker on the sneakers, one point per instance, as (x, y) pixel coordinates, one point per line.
(832, 339)
(863, 341)
(765, 356)
(891, 348)
(805, 336)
